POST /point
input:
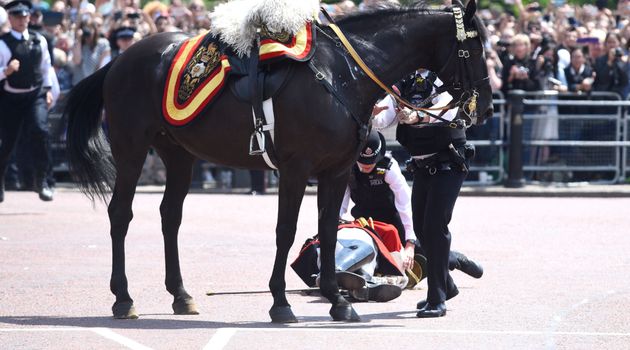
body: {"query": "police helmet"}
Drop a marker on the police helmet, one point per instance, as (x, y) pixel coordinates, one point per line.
(20, 8)
(374, 149)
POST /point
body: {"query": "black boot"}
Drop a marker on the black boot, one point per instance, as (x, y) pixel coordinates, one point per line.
(1, 191)
(349, 281)
(449, 295)
(376, 292)
(44, 191)
(432, 310)
(465, 265)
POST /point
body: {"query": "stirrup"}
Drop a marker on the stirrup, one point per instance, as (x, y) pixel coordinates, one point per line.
(260, 142)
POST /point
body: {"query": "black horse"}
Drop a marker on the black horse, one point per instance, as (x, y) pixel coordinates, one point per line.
(317, 133)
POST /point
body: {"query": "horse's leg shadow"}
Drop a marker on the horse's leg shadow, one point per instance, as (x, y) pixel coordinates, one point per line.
(330, 191)
(291, 189)
(129, 162)
(178, 164)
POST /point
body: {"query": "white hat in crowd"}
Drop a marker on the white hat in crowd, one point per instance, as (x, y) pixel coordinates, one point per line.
(3, 16)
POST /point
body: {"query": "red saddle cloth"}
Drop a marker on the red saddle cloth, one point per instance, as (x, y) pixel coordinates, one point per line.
(203, 63)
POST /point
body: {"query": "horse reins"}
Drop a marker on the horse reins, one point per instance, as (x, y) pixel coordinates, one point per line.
(469, 103)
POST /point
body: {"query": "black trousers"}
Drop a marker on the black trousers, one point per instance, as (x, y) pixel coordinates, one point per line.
(26, 113)
(432, 200)
(257, 178)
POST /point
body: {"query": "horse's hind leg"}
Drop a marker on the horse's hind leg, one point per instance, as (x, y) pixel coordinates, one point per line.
(129, 163)
(178, 176)
(291, 192)
(330, 192)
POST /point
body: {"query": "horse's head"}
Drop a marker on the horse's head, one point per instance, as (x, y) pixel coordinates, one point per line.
(464, 73)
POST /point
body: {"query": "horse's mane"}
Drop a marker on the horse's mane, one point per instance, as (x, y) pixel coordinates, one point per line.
(385, 8)
(389, 8)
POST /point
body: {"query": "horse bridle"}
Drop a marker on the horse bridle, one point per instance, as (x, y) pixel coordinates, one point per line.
(467, 99)
(463, 79)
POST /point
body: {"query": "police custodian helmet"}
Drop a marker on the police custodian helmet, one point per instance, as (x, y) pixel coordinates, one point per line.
(374, 149)
(20, 8)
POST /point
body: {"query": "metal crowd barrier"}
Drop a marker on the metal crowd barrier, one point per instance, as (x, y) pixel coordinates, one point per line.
(57, 131)
(563, 140)
(592, 141)
(487, 167)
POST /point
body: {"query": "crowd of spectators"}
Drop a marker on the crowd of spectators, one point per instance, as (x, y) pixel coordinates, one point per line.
(563, 47)
(83, 36)
(560, 47)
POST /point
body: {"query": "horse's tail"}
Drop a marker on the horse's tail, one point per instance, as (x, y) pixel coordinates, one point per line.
(91, 162)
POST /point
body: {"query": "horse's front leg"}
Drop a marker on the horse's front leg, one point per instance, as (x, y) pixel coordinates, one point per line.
(330, 193)
(178, 176)
(290, 194)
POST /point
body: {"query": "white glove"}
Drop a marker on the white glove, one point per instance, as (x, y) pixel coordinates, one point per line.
(407, 116)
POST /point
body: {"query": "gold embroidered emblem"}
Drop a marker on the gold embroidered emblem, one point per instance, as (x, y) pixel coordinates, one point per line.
(200, 66)
(283, 36)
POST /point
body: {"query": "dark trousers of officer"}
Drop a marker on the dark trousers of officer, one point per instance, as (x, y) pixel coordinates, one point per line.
(433, 199)
(26, 112)
(257, 178)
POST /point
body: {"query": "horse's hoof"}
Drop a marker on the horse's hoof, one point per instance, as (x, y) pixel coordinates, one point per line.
(282, 314)
(185, 307)
(344, 313)
(125, 311)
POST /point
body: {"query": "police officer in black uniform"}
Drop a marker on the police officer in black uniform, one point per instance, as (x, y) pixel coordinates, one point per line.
(439, 164)
(380, 191)
(26, 79)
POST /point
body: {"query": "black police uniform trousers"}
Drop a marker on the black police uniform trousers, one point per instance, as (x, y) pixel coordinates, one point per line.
(26, 112)
(433, 198)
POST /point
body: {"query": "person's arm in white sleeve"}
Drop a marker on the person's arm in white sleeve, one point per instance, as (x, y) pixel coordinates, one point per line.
(402, 198)
(46, 66)
(402, 201)
(5, 56)
(386, 117)
(54, 88)
(345, 204)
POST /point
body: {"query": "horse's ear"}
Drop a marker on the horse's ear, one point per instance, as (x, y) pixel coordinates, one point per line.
(469, 14)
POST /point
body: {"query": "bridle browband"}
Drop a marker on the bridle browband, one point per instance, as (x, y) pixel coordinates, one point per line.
(468, 98)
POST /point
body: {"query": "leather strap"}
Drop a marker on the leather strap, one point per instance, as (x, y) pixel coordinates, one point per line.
(373, 76)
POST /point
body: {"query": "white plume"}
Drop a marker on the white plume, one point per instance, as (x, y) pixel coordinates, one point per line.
(235, 21)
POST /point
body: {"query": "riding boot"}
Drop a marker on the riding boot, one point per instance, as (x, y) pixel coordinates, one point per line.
(461, 262)
(42, 188)
(379, 292)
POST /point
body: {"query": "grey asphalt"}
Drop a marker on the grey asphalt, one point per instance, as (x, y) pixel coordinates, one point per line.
(555, 278)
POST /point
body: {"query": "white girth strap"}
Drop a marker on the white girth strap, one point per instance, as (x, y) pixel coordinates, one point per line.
(269, 126)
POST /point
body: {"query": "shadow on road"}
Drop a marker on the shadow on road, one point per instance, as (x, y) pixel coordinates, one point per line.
(146, 322)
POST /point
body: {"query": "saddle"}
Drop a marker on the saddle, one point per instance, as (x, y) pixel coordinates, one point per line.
(269, 79)
(199, 68)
